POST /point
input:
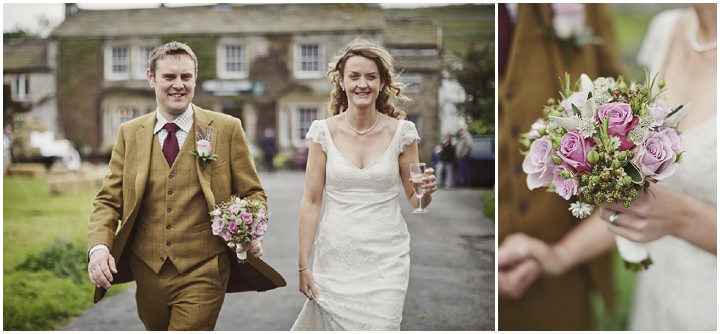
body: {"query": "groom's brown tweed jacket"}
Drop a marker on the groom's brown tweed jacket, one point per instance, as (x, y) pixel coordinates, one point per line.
(535, 65)
(163, 212)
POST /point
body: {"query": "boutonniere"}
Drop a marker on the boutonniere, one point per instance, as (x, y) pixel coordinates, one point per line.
(203, 146)
(569, 29)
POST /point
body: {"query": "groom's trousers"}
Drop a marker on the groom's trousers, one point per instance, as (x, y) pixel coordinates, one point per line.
(188, 301)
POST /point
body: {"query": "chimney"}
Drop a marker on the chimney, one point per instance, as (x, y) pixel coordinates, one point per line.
(71, 9)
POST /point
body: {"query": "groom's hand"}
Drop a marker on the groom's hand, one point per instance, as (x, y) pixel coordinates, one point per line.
(101, 268)
(256, 248)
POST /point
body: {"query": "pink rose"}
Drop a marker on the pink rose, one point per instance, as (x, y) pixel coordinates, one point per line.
(659, 111)
(232, 227)
(655, 157)
(247, 217)
(566, 188)
(538, 164)
(217, 226)
(573, 152)
(568, 19)
(674, 136)
(259, 230)
(578, 99)
(204, 147)
(620, 121)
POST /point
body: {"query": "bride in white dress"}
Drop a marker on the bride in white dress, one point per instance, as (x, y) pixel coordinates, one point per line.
(360, 157)
(679, 291)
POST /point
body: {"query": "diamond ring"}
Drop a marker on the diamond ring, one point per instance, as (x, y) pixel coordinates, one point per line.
(613, 218)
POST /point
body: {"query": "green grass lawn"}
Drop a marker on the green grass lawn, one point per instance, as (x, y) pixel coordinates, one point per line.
(44, 262)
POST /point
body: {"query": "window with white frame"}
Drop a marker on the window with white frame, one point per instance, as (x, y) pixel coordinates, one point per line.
(20, 87)
(117, 62)
(308, 60)
(142, 53)
(232, 61)
(305, 117)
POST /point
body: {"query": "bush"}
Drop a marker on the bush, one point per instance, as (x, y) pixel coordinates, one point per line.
(63, 258)
(489, 207)
(41, 300)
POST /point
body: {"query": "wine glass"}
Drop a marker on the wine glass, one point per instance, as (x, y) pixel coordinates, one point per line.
(417, 172)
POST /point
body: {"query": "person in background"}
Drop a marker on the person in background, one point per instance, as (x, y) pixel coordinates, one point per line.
(462, 155)
(446, 162)
(269, 147)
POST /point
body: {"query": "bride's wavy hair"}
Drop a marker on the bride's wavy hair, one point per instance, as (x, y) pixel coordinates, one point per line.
(389, 94)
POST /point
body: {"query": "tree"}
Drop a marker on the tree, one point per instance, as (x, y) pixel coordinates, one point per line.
(476, 75)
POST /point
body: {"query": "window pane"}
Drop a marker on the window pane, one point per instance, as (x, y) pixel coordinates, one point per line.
(309, 58)
(305, 118)
(120, 60)
(234, 58)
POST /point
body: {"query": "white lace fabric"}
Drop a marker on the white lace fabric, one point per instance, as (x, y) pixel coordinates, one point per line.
(679, 291)
(361, 261)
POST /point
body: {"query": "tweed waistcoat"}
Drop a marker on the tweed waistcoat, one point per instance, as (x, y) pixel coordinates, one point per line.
(173, 221)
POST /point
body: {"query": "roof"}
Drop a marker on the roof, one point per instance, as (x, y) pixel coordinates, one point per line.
(222, 19)
(25, 56)
(412, 32)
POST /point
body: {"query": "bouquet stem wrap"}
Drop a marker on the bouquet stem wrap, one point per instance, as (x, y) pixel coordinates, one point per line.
(634, 254)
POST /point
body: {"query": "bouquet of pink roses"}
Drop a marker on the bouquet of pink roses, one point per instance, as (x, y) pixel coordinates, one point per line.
(602, 143)
(238, 222)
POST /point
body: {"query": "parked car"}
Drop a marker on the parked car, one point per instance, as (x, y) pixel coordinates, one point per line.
(482, 162)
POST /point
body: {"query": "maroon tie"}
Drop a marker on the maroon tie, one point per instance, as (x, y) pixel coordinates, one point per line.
(170, 145)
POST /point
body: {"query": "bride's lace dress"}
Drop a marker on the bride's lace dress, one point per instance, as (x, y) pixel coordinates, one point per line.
(361, 261)
(678, 292)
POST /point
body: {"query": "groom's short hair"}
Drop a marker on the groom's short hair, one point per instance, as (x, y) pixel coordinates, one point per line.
(171, 48)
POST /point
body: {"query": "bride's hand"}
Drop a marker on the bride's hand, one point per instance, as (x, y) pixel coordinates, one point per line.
(652, 215)
(307, 284)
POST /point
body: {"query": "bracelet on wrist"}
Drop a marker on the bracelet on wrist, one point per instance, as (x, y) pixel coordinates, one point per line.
(303, 268)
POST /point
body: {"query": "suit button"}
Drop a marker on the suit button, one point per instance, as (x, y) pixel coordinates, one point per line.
(509, 94)
(170, 176)
(170, 192)
(162, 258)
(169, 209)
(167, 226)
(168, 243)
(522, 207)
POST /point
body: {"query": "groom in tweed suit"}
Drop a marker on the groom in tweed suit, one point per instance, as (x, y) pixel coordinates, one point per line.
(150, 221)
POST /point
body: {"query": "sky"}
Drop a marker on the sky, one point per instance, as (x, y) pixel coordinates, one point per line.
(28, 16)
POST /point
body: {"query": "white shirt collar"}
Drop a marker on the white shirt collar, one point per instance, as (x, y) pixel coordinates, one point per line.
(184, 121)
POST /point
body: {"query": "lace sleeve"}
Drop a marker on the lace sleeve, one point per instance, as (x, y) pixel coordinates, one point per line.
(408, 134)
(317, 133)
(657, 39)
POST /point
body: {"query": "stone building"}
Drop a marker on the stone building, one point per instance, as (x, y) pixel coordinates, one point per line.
(29, 82)
(264, 64)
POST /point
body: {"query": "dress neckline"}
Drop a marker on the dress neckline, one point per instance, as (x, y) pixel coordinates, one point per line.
(347, 161)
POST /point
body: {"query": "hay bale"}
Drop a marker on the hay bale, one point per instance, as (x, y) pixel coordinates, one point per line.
(31, 170)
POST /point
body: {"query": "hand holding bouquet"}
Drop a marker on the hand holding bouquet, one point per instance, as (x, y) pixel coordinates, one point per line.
(603, 143)
(238, 222)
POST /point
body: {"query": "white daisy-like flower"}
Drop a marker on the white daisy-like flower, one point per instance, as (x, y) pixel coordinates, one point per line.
(552, 126)
(580, 210)
(614, 143)
(646, 121)
(637, 135)
(586, 126)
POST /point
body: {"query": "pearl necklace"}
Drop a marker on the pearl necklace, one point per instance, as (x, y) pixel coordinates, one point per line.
(362, 132)
(694, 44)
